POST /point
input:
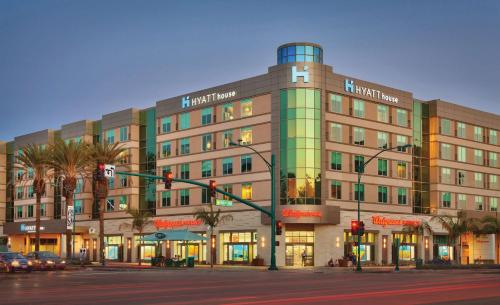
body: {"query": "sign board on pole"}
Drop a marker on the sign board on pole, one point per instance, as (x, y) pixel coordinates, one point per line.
(223, 203)
(109, 170)
(70, 215)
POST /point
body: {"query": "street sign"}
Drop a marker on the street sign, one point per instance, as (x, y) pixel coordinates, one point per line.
(109, 170)
(70, 215)
(92, 230)
(223, 203)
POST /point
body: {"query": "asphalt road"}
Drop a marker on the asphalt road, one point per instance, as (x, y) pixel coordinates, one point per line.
(238, 287)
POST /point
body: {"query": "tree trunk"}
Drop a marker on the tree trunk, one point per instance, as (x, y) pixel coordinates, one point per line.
(102, 249)
(69, 202)
(211, 249)
(37, 221)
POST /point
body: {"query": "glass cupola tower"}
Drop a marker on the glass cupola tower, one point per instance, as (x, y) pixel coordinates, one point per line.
(300, 52)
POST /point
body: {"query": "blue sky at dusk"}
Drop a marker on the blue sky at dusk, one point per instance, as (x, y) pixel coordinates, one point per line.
(64, 61)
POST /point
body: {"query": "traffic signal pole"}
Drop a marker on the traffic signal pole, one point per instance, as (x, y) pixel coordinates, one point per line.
(273, 215)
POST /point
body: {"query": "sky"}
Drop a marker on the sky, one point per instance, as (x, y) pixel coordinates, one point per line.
(65, 61)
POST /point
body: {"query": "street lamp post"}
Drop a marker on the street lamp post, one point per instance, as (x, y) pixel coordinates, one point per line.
(271, 166)
(361, 169)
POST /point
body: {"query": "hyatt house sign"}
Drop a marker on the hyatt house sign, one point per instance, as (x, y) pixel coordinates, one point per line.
(187, 101)
(350, 86)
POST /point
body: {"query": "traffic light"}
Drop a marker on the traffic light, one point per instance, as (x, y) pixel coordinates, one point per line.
(279, 227)
(167, 178)
(100, 175)
(354, 227)
(361, 228)
(212, 186)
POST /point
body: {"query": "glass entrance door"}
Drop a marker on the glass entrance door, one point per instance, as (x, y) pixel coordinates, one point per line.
(192, 250)
(299, 255)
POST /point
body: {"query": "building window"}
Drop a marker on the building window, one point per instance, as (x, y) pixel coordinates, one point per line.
(460, 177)
(184, 146)
(228, 188)
(478, 180)
(461, 130)
(227, 112)
(124, 134)
(382, 139)
(446, 127)
(336, 160)
(31, 192)
(335, 103)
(402, 117)
(478, 134)
(359, 163)
(461, 201)
(123, 181)
(166, 199)
(359, 136)
(166, 149)
(445, 199)
(493, 137)
(335, 132)
(382, 167)
(246, 163)
(246, 108)
(400, 142)
(446, 151)
(110, 205)
(478, 156)
(19, 192)
(359, 108)
(445, 175)
(461, 154)
(78, 206)
(493, 182)
(185, 171)
(184, 120)
(205, 195)
(227, 166)
(206, 116)
(493, 204)
(206, 142)
(30, 210)
(110, 136)
(206, 168)
(383, 113)
(184, 197)
(492, 159)
(111, 183)
(336, 189)
(227, 137)
(79, 186)
(31, 173)
(246, 135)
(402, 195)
(401, 169)
(382, 194)
(246, 191)
(359, 190)
(166, 124)
(478, 203)
(123, 203)
(43, 209)
(19, 212)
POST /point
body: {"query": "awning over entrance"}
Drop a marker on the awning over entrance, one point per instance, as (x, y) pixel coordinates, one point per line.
(174, 235)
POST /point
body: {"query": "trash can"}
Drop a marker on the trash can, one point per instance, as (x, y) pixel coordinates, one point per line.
(190, 262)
(419, 263)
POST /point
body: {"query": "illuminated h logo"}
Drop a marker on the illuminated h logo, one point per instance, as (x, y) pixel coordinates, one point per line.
(186, 102)
(304, 74)
(349, 85)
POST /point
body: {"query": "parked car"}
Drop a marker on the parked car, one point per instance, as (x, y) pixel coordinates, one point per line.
(13, 261)
(45, 260)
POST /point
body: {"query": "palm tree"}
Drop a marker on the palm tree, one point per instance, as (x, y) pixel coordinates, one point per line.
(419, 230)
(70, 161)
(35, 158)
(490, 225)
(456, 227)
(106, 153)
(211, 219)
(140, 220)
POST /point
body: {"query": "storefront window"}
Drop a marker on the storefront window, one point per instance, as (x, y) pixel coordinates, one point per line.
(196, 249)
(114, 247)
(367, 245)
(299, 250)
(246, 108)
(148, 249)
(238, 247)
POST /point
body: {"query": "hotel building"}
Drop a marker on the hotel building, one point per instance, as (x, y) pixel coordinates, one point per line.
(320, 125)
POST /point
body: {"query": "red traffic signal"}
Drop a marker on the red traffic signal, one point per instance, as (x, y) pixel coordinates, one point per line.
(100, 175)
(212, 188)
(279, 227)
(167, 179)
(361, 228)
(354, 227)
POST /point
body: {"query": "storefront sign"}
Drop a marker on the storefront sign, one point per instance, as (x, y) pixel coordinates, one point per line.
(29, 228)
(383, 221)
(300, 214)
(304, 74)
(349, 86)
(176, 223)
(187, 101)
(223, 203)
(160, 235)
